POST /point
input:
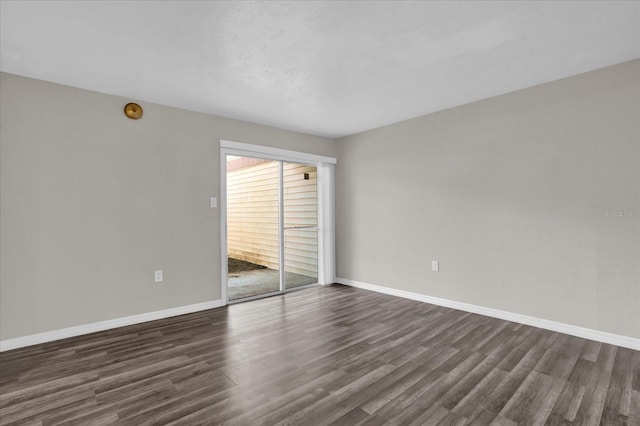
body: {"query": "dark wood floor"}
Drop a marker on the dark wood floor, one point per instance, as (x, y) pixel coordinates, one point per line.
(328, 355)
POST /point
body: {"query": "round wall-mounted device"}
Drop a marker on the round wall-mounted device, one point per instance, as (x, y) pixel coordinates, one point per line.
(133, 111)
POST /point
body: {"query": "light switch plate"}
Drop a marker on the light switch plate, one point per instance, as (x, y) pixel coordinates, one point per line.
(157, 276)
(214, 202)
(435, 265)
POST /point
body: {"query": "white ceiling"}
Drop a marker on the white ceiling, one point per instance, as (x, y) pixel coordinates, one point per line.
(325, 67)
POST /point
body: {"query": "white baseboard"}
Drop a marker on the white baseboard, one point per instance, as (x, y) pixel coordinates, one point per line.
(573, 330)
(35, 339)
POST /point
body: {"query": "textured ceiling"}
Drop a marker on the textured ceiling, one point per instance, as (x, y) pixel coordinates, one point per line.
(326, 67)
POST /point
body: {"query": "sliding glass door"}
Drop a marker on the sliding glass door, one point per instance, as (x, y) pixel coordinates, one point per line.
(300, 230)
(253, 227)
(272, 226)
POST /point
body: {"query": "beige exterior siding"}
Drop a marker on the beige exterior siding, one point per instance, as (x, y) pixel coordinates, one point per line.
(252, 216)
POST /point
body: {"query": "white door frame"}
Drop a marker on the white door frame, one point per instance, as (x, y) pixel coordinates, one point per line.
(326, 215)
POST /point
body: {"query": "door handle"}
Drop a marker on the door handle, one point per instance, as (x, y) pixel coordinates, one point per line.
(301, 227)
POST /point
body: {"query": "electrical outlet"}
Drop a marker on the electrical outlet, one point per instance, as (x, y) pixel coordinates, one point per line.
(158, 276)
(435, 265)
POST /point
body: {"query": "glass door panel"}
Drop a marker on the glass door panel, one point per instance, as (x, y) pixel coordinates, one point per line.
(300, 217)
(253, 227)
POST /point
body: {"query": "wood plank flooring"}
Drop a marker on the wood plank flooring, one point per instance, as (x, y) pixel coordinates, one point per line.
(328, 355)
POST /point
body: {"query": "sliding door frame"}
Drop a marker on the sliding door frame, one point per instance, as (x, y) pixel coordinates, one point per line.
(326, 215)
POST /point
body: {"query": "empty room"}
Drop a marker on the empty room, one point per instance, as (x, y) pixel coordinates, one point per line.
(319, 212)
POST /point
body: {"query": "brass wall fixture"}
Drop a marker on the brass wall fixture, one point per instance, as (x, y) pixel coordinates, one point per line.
(133, 111)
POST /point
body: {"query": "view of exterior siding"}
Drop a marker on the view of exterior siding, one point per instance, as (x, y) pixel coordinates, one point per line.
(252, 214)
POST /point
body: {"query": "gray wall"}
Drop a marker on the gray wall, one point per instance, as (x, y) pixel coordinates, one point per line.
(508, 194)
(92, 203)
